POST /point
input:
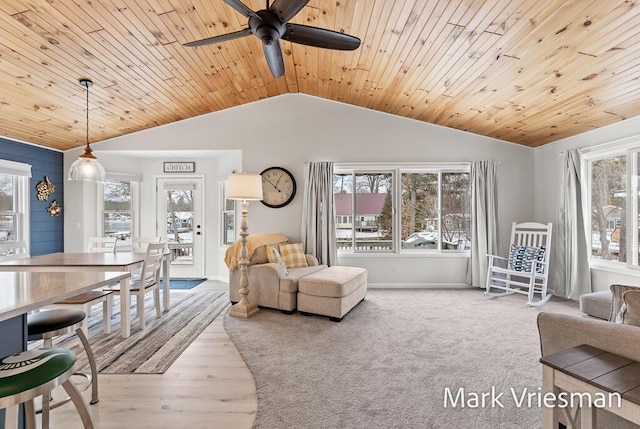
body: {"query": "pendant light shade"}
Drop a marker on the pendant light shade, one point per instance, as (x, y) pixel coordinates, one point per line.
(87, 167)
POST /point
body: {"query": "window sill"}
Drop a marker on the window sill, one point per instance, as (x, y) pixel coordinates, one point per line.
(403, 255)
(624, 270)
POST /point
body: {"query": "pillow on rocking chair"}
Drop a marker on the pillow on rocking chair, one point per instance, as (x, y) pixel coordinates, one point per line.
(521, 258)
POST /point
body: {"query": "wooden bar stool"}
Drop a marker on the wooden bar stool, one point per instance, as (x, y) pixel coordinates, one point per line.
(48, 324)
(25, 376)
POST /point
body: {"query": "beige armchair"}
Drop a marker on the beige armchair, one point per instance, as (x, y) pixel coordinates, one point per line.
(560, 332)
(270, 284)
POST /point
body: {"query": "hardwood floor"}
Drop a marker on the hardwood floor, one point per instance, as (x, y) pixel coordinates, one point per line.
(209, 386)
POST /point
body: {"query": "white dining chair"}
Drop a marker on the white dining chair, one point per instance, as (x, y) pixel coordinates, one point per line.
(139, 244)
(147, 280)
(102, 244)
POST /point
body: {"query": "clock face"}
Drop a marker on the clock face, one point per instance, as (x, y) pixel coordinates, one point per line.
(278, 187)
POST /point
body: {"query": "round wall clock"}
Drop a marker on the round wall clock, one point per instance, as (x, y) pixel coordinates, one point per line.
(278, 187)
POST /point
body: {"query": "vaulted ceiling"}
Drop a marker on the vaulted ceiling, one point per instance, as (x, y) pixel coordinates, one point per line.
(526, 71)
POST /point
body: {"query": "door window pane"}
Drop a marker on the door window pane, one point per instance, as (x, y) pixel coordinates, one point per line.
(608, 209)
(180, 226)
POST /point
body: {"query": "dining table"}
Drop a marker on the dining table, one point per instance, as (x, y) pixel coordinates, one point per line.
(94, 262)
(22, 292)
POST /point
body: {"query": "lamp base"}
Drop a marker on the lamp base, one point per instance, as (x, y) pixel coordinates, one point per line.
(244, 311)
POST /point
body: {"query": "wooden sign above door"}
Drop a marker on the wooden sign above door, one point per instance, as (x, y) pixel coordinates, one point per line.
(179, 167)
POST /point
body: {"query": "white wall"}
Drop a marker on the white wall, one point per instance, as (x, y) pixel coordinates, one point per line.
(548, 173)
(290, 129)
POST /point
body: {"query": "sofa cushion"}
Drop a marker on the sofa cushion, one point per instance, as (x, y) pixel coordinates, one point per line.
(630, 311)
(289, 283)
(293, 255)
(274, 257)
(259, 256)
(333, 282)
(596, 304)
(616, 301)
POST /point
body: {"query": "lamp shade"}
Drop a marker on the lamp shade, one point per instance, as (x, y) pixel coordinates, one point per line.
(244, 186)
(88, 169)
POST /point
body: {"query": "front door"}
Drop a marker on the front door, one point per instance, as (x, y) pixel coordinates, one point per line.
(180, 224)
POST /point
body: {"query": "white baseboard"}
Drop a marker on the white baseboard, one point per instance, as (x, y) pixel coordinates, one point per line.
(419, 286)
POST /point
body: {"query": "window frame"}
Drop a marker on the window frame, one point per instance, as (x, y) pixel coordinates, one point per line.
(630, 147)
(135, 203)
(222, 201)
(21, 173)
(397, 169)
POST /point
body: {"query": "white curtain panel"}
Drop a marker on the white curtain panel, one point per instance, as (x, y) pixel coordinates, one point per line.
(572, 274)
(318, 212)
(485, 238)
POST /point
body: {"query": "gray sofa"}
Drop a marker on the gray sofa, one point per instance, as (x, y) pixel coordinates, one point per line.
(560, 331)
(270, 285)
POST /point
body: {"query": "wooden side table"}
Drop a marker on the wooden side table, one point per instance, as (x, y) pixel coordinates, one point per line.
(587, 376)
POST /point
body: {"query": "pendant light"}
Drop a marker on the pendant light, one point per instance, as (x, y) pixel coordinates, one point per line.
(87, 167)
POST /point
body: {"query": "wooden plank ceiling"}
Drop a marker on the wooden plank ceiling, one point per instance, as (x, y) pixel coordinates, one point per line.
(526, 71)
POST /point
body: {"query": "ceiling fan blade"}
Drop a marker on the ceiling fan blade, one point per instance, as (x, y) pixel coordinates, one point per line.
(287, 9)
(242, 8)
(320, 37)
(273, 54)
(220, 38)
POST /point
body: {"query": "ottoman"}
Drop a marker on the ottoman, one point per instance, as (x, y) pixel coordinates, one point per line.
(332, 292)
(597, 304)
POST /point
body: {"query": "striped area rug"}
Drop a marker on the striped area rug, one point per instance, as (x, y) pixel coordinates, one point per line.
(153, 350)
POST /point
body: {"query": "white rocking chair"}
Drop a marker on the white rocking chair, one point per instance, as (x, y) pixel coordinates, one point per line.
(526, 270)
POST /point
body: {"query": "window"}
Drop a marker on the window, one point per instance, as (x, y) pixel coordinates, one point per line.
(420, 207)
(14, 208)
(118, 214)
(612, 200)
(228, 233)
(609, 208)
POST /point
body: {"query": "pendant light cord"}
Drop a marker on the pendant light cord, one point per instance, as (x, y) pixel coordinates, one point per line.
(88, 114)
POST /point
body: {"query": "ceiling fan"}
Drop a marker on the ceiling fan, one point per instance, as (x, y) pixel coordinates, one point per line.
(271, 24)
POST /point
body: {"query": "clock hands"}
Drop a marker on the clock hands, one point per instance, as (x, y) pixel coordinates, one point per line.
(276, 184)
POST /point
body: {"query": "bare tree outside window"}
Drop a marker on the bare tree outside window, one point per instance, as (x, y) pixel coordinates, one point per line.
(608, 209)
(456, 211)
(419, 211)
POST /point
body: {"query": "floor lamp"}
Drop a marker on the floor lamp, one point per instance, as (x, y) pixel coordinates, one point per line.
(244, 187)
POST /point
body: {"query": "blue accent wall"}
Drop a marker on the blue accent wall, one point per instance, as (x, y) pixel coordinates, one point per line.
(47, 232)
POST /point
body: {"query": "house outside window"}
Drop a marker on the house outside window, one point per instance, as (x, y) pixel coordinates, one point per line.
(414, 208)
(14, 209)
(611, 192)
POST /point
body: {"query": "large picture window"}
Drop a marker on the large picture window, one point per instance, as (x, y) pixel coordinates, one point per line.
(422, 207)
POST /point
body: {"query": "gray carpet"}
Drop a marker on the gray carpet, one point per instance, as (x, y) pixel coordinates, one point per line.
(154, 349)
(389, 361)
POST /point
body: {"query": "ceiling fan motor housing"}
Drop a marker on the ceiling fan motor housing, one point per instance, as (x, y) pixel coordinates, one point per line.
(268, 27)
